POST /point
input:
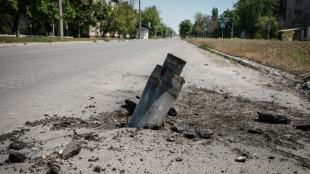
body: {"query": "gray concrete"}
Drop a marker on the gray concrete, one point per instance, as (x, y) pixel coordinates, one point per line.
(58, 79)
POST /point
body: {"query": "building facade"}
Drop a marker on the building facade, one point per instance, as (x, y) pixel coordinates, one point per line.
(295, 16)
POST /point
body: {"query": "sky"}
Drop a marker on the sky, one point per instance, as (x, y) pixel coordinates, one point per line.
(173, 12)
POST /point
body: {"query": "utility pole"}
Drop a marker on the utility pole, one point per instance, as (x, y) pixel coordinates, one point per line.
(61, 22)
(139, 19)
(269, 27)
(232, 28)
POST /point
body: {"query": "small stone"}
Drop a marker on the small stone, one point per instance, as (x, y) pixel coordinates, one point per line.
(271, 157)
(72, 149)
(190, 135)
(178, 129)
(305, 127)
(170, 139)
(255, 131)
(178, 159)
(97, 169)
(132, 105)
(205, 134)
(241, 159)
(55, 169)
(273, 118)
(17, 145)
(306, 85)
(172, 112)
(17, 157)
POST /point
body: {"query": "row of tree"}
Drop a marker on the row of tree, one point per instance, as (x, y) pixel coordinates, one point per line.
(40, 17)
(249, 17)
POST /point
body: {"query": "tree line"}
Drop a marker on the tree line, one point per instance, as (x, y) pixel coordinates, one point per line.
(249, 17)
(40, 17)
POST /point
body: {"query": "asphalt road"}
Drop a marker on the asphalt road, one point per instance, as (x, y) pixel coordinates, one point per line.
(59, 79)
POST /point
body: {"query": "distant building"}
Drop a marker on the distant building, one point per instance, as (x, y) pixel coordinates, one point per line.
(94, 31)
(295, 16)
(145, 32)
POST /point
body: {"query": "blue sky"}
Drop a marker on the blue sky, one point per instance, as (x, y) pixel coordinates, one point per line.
(173, 12)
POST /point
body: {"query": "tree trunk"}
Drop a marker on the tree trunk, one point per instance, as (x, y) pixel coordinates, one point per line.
(10, 24)
(79, 30)
(15, 24)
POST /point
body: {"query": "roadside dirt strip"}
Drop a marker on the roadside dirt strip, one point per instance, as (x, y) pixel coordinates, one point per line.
(227, 119)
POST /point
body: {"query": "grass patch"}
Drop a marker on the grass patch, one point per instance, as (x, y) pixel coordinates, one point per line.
(293, 57)
(47, 39)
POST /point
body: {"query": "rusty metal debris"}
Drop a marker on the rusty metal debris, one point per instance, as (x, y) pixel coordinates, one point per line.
(160, 93)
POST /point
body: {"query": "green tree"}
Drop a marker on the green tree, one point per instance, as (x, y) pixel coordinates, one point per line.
(232, 24)
(151, 15)
(185, 28)
(261, 27)
(44, 13)
(214, 28)
(215, 13)
(250, 11)
(123, 19)
(199, 25)
(12, 10)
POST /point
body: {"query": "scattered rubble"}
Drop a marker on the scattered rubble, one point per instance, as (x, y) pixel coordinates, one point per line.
(306, 85)
(72, 149)
(178, 129)
(17, 157)
(98, 169)
(17, 145)
(255, 131)
(172, 112)
(54, 169)
(273, 118)
(190, 134)
(305, 127)
(205, 134)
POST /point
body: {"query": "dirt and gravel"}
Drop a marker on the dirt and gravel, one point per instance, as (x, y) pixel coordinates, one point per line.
(208, 126)
(227, 119)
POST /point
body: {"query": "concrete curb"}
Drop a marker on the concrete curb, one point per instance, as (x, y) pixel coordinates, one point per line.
(273, 72)
(234, 59)
(42, 43)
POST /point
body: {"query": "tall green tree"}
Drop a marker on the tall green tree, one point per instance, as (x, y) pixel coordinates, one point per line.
(185, 28)
(215, 13)
(12, 10)
(44, 13)
(250, 11)
(214, 28)
(232, 25)
(261, 27)
(151, 15)
(123, 19)
(200, 23)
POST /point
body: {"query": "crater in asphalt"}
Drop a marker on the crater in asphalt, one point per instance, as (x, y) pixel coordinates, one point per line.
(199, 115)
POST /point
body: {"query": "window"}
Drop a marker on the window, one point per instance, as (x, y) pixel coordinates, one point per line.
(299, 2)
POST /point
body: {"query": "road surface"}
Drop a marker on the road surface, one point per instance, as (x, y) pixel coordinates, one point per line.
(59, 79)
